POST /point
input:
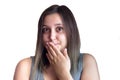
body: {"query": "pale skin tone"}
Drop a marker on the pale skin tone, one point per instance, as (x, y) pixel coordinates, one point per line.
(55, 41)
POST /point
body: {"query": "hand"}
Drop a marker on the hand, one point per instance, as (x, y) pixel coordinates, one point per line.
(59, 60)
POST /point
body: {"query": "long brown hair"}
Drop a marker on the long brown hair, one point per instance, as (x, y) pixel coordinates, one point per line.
(73, 39)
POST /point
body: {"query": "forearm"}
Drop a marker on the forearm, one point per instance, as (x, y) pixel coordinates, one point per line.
(66, 76)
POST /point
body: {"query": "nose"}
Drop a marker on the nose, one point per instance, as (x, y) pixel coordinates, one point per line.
(52, 35)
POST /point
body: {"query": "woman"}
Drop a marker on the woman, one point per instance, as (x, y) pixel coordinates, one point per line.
(58, 54)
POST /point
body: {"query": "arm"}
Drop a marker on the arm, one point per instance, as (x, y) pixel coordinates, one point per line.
(22, 70)
(90, 69)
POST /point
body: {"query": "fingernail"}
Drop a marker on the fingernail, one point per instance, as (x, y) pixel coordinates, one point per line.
(47, 43)
(65, 49)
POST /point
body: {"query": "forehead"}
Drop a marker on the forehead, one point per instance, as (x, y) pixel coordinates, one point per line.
(53, 19)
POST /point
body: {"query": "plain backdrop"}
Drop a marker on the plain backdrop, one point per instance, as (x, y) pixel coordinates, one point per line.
(98, 22)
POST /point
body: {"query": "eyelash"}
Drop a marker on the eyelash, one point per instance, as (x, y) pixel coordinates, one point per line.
(58, 29)
(45, 30)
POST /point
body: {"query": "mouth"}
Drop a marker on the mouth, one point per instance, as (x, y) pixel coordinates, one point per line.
(55, 43)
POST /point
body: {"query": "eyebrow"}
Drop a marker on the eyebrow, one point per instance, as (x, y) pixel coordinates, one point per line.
(55, 24)
(58, 24)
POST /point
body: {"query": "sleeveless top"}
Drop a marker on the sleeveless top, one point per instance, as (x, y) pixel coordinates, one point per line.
(76, 76)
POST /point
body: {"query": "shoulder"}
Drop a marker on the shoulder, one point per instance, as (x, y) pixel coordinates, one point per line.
(22, 70)
(90, 69)
(88, 58)
(89, 61)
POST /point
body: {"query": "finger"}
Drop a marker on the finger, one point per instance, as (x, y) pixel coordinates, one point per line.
(48, 58)
(51, 60)
(65, 53)
(57, 51)
(51, 51)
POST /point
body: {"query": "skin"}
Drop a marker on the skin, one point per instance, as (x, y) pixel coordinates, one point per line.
(53, 31)
(54, 39)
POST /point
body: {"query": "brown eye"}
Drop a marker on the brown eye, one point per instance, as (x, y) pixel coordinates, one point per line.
(45, 30)
(59, 29)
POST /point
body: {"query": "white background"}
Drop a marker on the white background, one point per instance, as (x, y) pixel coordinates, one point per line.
(98, 21)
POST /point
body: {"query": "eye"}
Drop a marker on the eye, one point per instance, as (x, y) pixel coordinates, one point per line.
(59, 29)
(45, 30)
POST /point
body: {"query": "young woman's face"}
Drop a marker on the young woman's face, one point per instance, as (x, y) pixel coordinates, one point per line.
(53, 31)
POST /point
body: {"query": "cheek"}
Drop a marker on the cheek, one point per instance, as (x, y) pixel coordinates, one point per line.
(45, 39)
(64, 39)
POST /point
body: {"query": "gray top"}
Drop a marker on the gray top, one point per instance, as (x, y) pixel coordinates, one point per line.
(76, 76)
